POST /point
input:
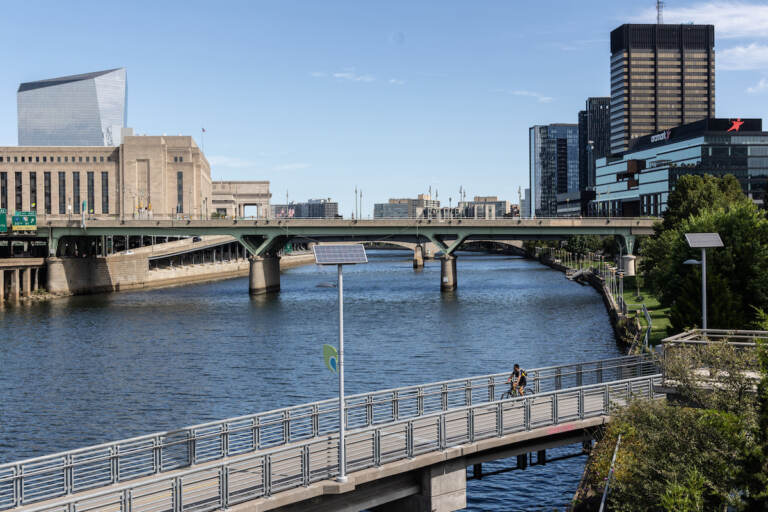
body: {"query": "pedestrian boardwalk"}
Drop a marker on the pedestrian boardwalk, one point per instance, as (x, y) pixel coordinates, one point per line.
(215, 465)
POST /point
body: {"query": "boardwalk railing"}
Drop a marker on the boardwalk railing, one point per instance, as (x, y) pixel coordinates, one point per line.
(41, 478)
(218, 485)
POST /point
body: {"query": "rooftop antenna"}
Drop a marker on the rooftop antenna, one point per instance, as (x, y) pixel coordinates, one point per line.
(659, 12)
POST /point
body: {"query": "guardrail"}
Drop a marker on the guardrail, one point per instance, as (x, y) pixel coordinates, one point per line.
(51, 476)
(219, 485)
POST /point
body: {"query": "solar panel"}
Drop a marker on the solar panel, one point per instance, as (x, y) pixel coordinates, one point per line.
(703, 240)
(339, 254)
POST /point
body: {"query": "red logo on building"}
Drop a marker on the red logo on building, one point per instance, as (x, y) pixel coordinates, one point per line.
(736, 125)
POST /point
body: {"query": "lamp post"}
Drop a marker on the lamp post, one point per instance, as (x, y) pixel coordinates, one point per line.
(340, 255)
(702, 241)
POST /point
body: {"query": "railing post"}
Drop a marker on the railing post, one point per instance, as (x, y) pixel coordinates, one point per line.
(377, 447)
(287, 426)
(554, 408)
(628, 391)
(18, 486)
(527, 414)
(581, 404)
(491, 389)
(256, 433)
(191, 447)
(157, 454)
(127, 501)
(114, 463)
(395, 406)
(444, 396)
(606, 399)
(224, 486)
(579, 375)
(499, 419)
(558, 379)
(224, 439)
(467, 393)
(177, 502)
(305, 465)
(315, 421)
(409, 440)
(420, 401)
(69, 477)
(442, 433)
(267, 475)
(471, 425)
(536, 384)
(369, 410)
(599, 372)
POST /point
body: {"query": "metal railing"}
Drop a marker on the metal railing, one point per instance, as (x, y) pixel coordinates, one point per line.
(41, 478)
(219, 485)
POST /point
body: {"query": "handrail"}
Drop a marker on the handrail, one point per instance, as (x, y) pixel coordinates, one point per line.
(51, 476)
(222, 484)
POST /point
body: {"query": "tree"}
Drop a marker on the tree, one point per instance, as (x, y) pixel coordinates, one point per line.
(694, 194)
(583, 244)
(737, 274)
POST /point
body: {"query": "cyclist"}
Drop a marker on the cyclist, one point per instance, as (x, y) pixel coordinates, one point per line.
(518, 381)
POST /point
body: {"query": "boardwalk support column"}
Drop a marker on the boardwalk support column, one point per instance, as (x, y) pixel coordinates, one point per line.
(418, 256)
(448, 273)
(264, 276)
(443, 489)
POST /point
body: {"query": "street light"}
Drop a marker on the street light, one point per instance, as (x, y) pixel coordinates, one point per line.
(702, 241)
(340, 255)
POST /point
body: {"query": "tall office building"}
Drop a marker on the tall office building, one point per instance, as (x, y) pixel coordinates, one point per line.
(662, 76)
(77, 110)
(553, 165)
(594, 138)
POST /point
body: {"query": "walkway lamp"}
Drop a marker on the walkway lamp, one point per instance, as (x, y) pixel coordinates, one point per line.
(703, 241)
(340, 255)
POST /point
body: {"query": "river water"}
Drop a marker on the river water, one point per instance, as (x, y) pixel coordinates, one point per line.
(90, 369)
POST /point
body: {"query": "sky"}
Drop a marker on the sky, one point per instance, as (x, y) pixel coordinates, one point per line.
(390, 97)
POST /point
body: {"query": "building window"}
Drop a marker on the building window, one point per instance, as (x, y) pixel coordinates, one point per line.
(4, 190)
(181, 159)
(1, 159)
(33, 191)
(101, 159)
(76, 191)
(104, 192)
(16, 159)
(17, 186)
(87, 159)
(37, 159)
(91, 196)
(22, 159)
(47, 192)
(179, 192)
(58, 159)
(81, 159)
(62, 193)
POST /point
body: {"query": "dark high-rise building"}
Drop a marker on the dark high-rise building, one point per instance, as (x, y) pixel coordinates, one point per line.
(594, 138)
(662, 76)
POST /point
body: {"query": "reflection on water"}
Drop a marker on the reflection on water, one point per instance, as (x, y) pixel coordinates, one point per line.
(85, 370)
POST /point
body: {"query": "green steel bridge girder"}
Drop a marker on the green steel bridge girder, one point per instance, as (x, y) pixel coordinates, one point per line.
(262, 237)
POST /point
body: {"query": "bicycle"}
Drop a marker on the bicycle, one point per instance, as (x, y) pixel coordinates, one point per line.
(515, 393)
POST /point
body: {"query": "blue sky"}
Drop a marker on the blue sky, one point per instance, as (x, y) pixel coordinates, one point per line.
(391, 96)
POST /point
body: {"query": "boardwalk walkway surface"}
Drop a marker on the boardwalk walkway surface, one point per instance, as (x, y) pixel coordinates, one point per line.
(280, 457)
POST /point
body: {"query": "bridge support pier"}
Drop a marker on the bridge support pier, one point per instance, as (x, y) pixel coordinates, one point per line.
(443, 489)
(15, 285)
(264, 275)
(418, 257)
(448, 273)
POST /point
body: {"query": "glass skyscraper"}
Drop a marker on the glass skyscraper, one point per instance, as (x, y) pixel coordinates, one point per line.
(554, 165)
(77, 110)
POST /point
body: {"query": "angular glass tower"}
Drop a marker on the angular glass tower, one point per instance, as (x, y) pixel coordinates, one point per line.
(77, 110)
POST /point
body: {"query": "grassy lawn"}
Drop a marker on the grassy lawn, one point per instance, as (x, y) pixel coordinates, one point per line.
(659, 318)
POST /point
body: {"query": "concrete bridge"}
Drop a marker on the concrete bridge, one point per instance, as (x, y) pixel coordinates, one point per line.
(264, 238)
(407, 448)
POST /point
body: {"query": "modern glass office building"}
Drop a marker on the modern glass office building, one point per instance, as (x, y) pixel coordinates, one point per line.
(77, 110)
(639, 181)
(553, 165)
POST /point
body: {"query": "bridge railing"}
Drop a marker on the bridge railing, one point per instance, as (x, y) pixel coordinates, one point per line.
(218, 485)
(33, 480)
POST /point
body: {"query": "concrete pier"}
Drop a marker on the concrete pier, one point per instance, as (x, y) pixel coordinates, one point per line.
(443, 489)
(448, 273)
(264, 275)
(418, 257)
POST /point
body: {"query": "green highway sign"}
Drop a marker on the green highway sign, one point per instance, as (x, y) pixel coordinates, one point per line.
(3, 220)
(24, 221)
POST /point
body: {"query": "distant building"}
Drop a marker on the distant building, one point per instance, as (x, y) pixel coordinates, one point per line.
(422, 206)
(77, 110)
(594, 138)
(553, 165)
(484, 207)
(144, 177)
(525, 204)
(231, 198)
(638, 182)
(662, 76)
(312, 209)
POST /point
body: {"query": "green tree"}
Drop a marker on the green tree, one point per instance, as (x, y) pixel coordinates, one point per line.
(694, 194)
(755, 465)
(737, 274)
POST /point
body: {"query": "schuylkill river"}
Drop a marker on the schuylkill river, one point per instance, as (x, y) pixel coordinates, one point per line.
(91, 369)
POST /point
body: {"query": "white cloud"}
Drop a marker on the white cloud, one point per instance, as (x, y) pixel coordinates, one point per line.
(752, 56)
(291, 167)
(395, 81)
(541, 98)
(354, 77)
(232, 162)
(318, 74)
(731, 19)
(761, 86)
